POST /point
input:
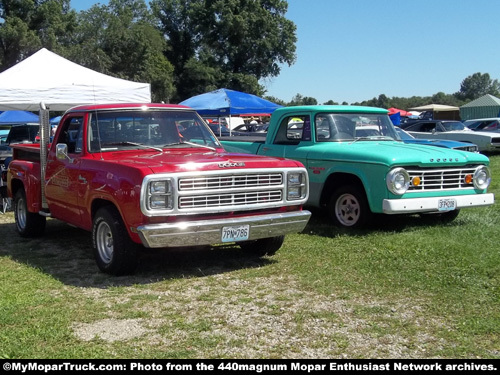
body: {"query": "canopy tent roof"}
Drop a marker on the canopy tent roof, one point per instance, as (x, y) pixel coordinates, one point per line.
(484, 107)
(61, 84)
(11, 117)
(435, 108)
(224, 102)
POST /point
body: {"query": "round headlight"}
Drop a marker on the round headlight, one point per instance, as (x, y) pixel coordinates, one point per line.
(482, 177)
(398, 181)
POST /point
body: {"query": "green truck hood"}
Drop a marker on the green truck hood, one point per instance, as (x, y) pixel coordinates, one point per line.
(393, 153)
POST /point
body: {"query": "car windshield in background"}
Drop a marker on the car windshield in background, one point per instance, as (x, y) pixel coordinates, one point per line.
(454, 125)
(119, 130)
(334, 127)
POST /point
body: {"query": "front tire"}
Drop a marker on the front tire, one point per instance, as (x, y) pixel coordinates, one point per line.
(265, 246)
(348, 207)
(28, 224)
(115, 253)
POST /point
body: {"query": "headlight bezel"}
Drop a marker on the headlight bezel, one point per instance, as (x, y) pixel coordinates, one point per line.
(156, 194)
(398, 181)
(482, 177)
(296, 185)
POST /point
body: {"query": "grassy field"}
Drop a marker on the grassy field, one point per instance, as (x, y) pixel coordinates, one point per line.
(406, 288)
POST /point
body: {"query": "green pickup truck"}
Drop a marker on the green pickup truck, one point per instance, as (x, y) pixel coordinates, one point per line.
(358, 165)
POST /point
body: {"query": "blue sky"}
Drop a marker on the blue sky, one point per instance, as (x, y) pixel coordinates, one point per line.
(355, 50)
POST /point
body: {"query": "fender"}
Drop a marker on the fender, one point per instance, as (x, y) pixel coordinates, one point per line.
(26, 175)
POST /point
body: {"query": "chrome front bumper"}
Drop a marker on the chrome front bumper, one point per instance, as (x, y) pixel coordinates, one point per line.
(209, 232)
(415, 205)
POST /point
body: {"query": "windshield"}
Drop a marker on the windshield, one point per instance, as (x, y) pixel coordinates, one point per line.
(403, 135)
(154, 129)
(334, 127)
(454, 125)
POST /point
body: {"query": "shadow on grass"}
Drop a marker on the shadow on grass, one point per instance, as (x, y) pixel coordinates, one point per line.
(65, 253)
(322, 225)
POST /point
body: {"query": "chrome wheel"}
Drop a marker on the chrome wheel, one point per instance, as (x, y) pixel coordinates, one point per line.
(104, 242)
(21, 213)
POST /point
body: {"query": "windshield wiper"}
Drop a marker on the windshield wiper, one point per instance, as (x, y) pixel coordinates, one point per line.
(127, 143)
(189, 143)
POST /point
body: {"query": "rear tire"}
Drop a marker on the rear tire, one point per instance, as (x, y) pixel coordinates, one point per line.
(115, 253)
(28, 224)
(265, 246)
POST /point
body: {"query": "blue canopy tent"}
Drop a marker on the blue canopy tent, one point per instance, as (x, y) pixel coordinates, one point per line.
(11, 117)
(225, 102)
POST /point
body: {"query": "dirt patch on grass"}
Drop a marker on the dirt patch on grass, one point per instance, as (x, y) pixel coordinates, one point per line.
(261, 317)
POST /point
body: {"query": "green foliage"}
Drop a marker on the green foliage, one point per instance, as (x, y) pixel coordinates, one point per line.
(227, 43)
(477, 85)
(120, 39)
(27, 25)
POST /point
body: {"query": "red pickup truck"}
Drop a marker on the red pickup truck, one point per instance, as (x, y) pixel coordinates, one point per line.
(152, 175)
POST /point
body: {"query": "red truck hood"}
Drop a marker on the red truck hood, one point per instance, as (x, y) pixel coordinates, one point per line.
(184, 161)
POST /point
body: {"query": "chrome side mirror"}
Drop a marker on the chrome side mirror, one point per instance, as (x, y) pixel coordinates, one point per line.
(62, 151)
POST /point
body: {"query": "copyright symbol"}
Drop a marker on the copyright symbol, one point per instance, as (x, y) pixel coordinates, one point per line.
(7, 366)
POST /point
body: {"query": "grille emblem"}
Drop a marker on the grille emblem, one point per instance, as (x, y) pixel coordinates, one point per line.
(231, 164)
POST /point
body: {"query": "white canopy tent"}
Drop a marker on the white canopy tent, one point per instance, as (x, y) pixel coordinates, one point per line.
(61, 84)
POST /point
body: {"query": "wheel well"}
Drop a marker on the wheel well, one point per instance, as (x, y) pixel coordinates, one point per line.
(334, 181)
(99, 203)
(15, 185)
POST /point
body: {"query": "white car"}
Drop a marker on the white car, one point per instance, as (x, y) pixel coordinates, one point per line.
(454, 130)
(484, 124)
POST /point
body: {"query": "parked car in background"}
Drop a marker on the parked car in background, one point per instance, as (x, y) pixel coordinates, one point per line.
(17, 133)
(453, 130)
(252, 128)
(3, 135)
(456, 145)
(484, 124)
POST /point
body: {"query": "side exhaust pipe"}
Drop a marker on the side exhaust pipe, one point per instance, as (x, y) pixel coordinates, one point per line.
(44, 146)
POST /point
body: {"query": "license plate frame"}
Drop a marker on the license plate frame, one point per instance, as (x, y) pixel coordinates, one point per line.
(447, 204)
(235, 233)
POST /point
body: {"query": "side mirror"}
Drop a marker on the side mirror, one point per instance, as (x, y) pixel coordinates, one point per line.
(62, 151)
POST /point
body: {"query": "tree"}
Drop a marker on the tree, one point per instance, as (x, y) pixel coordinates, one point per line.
(477, 85)
(302, 100)
(231, 43)
(120, 39)
(27, 25)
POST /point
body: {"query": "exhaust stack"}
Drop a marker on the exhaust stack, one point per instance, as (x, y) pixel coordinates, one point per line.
(44, 145)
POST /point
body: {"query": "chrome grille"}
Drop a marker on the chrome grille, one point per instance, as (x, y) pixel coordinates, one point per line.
(228, 182)
(228, 199)
(441, 179)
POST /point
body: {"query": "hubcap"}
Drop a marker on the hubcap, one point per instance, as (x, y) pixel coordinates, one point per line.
(347, 210)
(104, 242)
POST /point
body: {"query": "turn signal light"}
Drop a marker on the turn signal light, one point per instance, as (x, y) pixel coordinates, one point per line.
(468, 179)
(416, 181)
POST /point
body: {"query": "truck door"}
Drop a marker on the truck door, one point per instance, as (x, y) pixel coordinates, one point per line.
(63, 175)
(292, 139)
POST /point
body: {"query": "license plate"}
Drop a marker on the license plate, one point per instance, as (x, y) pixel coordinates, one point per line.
(236, 233)
(449, 204)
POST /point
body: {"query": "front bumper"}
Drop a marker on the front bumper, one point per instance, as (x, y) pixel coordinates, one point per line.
(414, 205)
(209, 232)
